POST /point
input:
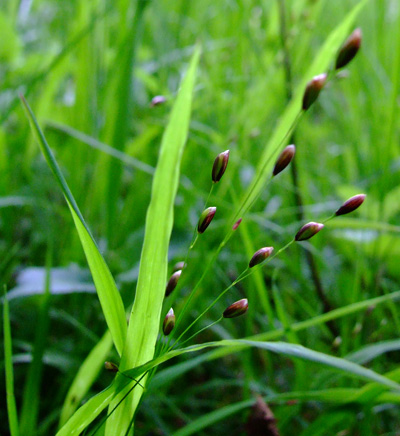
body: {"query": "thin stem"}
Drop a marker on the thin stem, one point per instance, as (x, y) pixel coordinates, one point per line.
(197, 333)
(244, 274)
(294, 169)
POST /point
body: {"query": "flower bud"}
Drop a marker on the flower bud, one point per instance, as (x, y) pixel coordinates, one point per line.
(284, 159)
(172, 282)
(349, 49)
(110, 366)
(158, 100)
(313, 89)
(260, 255)
(351, 204)
(169, 322)
(237, 224)
(308, 231)
(205, 218)
(236, 309)
(219, 166)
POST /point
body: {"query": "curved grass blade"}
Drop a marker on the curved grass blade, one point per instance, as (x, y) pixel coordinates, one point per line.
(9, 371)
(283, 348)
(370, 352)
(110, 299)
(85, 377)
(145, 317)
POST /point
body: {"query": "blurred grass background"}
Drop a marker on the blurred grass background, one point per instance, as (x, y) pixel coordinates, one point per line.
(90, 70)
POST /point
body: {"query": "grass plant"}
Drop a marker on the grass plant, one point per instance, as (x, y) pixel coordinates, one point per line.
(236, 141)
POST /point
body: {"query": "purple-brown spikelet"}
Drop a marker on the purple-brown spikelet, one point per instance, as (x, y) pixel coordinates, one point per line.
(169, 322)
(111, 367)
(308, 231)
(237, 224)
(351, 204)
(172, 282)
(205, 219)
(284, 159)
(349, 49)
(219, 166)
(158, 100)
(236, 309)
(260, 255)
(313, 89)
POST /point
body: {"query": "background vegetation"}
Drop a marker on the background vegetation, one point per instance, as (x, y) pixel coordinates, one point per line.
(89, 70)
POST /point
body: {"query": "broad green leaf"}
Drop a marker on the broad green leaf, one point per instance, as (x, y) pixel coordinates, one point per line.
(87, 374)
(321, 63)
(150, 291)
(11, 405)
(107, 291)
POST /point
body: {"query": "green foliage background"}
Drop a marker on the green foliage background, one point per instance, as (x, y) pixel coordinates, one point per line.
(89, 70)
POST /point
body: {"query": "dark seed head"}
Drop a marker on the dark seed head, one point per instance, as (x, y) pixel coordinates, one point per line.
(284, 159)
(205, 219)
(236, 309)
(351, 204)
(237, 224)
(219, 166)
(172, 282)
(110, 366)
(260, 255)
(308, 231)
(349, 49)
(313, 89)
(158, 100)
(169, 322)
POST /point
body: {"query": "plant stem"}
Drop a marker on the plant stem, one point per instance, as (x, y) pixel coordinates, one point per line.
(298, 199)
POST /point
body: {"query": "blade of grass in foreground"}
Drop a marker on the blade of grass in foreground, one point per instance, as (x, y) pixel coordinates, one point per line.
(110, 299)
(150, 291)
(11, 406)
(85, 377)
(286, 349)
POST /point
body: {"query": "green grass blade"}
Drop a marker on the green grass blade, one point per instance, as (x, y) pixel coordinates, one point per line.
(283, 348)
(107, 291)
(320, 64)
(9, 371)
(370, 352)
(85, 377)
(31, 397)
(145, 317)
(86, 414)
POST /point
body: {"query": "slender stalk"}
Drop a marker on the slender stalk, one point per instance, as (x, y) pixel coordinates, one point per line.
(197, 333)
(298, 199)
